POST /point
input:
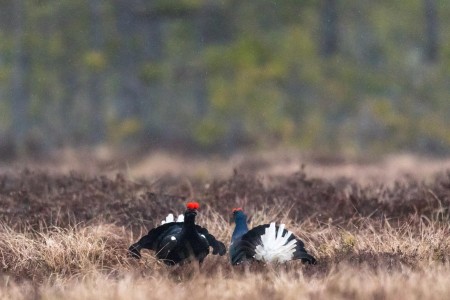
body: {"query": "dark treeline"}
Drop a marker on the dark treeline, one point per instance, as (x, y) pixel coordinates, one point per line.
(327, 75)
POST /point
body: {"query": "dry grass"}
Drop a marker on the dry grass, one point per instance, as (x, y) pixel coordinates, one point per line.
(65, 236)
(361, 262)
(61, 251)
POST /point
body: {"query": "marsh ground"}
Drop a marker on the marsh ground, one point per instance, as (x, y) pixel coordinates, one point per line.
(379, 228)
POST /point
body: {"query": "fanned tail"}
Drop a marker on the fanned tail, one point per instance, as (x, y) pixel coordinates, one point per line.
(276, 247)
(301, 253)
(170, 218)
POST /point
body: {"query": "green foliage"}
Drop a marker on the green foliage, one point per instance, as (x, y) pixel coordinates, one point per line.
(209, 132)
(124, 129)
(95, 60)
(348, 242)
(156, 69)
(151, 72)
(175, 7)
(245, 85)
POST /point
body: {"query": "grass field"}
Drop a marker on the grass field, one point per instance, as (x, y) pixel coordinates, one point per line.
(64, 235)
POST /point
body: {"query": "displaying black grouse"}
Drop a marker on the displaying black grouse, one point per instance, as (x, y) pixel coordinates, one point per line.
(179, 242)
(268, 243)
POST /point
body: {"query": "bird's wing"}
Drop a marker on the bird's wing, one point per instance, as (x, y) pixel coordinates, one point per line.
(167, 243)
(218, 246)
(152, 239)
(245, 247)
(241, 250)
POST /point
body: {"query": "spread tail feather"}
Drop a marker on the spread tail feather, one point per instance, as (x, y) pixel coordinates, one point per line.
(170, 218)
(302, 254)
(305, 257)
(275, 246)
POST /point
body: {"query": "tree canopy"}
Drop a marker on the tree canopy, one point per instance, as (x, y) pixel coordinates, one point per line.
(221, 74)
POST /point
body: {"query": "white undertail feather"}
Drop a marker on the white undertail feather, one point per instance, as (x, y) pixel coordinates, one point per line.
(170, 218)
(180, 218)
(274, 246)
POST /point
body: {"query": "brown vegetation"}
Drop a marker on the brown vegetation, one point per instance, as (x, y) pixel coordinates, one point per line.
(65, 236)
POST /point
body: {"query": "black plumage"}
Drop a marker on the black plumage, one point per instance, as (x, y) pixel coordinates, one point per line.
(179, 242)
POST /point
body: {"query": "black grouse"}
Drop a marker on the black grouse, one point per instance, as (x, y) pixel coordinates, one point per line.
(267, 243)
(179, 242)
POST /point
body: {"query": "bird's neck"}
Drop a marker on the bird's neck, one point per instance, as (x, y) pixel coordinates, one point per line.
(189, 221)
(240, 229)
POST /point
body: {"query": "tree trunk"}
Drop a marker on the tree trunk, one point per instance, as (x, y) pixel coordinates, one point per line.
(151, 33)
(95, 84)
(204, 24)
(431, 31)
(329, 28)
(213, 27)
(19, 86)
(128, 100)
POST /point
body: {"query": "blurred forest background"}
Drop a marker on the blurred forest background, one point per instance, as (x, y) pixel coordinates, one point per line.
(220, 75)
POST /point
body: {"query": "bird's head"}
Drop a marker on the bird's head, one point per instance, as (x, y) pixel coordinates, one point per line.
(238, 214)
(240, 219)
(191, 209)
